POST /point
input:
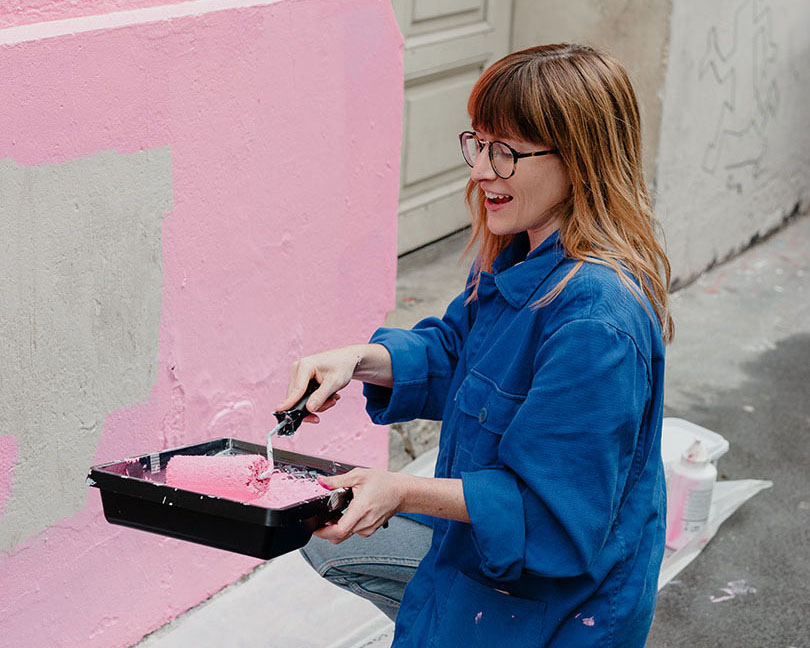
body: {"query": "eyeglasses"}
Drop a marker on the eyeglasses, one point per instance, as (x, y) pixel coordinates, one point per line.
(502, 157)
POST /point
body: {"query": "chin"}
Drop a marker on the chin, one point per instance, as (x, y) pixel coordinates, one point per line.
(500, 227)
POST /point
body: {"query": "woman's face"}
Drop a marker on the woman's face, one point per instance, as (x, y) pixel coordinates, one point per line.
(523, 202)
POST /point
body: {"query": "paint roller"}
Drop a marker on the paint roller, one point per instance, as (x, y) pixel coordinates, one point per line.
(236, 477)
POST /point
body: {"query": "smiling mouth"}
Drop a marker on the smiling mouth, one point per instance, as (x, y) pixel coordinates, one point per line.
(497, 199)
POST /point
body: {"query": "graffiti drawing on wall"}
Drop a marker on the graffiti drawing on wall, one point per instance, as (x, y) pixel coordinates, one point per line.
(745, 71)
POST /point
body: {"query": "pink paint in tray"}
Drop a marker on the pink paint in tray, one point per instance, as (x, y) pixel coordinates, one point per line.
(215, 493)
(238, 477)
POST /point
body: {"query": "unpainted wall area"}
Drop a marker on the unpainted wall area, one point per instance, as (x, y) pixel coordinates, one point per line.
(635, 32)
(80, 272)
(734, 158)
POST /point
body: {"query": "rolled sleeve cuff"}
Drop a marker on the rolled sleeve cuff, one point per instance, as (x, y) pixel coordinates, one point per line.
(406, 400)
(495, 507)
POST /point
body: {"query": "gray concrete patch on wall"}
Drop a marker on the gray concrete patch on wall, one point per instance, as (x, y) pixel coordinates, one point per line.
(733, 156)
(80, 275)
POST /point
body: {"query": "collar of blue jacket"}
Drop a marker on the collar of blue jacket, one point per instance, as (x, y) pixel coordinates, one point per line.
(518, 272)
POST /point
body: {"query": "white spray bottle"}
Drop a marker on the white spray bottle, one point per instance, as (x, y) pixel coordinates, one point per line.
(689, 495)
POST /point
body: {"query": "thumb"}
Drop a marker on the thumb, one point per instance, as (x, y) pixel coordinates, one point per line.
(346, 480)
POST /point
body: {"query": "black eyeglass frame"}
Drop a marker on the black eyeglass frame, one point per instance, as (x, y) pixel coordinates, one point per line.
(515, 155)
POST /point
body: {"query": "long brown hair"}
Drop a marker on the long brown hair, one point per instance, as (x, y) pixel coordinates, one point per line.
(580, 102)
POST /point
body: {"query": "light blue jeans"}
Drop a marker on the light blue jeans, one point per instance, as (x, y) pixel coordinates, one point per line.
(377, 568)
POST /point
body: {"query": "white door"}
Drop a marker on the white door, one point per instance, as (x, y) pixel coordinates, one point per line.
(448, 43)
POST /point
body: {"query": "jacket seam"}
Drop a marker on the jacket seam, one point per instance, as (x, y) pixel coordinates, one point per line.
(419, 381)
(622, 332)
(499, 390)
(615, 593)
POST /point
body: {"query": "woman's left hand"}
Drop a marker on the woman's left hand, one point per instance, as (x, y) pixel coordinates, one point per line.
(377, 496)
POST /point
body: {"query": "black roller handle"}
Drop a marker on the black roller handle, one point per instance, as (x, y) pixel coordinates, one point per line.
(293, 417)
(290, 420)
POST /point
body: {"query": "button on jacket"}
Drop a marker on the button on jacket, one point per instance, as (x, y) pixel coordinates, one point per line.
(552, 420)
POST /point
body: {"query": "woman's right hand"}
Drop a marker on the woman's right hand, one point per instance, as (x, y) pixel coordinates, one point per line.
(334, 370)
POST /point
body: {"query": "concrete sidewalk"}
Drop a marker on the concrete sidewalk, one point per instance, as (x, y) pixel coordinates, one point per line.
(740, 365)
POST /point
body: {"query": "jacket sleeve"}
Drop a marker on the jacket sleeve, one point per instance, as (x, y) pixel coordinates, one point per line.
(423, 360)
(564, 459)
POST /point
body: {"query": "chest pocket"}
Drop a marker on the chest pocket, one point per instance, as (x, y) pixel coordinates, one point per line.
(486, 413)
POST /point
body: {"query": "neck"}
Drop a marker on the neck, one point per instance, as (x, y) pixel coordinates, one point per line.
(540, 234)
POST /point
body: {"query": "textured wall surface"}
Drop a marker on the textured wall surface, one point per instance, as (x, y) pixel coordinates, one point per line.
(81, 267)
(634, 31)
(723, 89)
(194, 195)
(734, 158)
(26, 12)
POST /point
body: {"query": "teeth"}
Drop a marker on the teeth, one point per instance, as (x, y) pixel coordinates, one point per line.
(492, 196)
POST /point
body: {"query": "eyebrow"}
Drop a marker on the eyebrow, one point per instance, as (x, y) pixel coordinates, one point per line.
(487, 141)
(496, 138)
(513, 144)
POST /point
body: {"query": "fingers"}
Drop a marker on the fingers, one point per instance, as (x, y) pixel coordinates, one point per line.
(358, 518)
(330, 403)
(300, 375)
(314, 418)
(346, 480)
(328, 371)
(322, 399)
(370, 530)
(342, 530)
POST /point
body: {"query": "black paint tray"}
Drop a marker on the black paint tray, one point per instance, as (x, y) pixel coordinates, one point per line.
(134, 494)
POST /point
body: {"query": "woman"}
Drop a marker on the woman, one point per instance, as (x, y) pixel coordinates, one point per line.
(546, 515)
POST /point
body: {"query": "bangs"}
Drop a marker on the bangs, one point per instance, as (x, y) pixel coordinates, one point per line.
(580, 102)
(501, 104)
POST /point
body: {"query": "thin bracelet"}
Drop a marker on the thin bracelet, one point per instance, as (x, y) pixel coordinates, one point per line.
(358, 360)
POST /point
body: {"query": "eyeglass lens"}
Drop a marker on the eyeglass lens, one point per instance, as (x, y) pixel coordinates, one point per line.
(500, 156)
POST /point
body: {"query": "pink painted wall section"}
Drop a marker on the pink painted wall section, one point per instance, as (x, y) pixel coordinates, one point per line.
(8, 459)
(25, 12)
(283, 123)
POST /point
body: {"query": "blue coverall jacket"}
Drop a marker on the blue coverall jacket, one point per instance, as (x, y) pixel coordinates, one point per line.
(552, 420)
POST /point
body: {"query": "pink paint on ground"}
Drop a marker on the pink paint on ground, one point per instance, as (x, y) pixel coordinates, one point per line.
(283, 123)
(733, 590)
(238, 478)
(8, 460)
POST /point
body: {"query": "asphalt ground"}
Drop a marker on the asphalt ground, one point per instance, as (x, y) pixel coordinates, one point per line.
(740, 365)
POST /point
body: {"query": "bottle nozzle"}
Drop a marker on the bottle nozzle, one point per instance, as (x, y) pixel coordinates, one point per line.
(695, 453)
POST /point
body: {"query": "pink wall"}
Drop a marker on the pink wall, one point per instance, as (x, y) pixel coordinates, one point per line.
(283, 123)
(26, 12)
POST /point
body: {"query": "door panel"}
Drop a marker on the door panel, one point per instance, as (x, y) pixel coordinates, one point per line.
(448, 43)
(431, 9)
(435, 112)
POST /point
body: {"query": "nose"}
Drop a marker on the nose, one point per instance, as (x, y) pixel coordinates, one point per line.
(482, 169)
